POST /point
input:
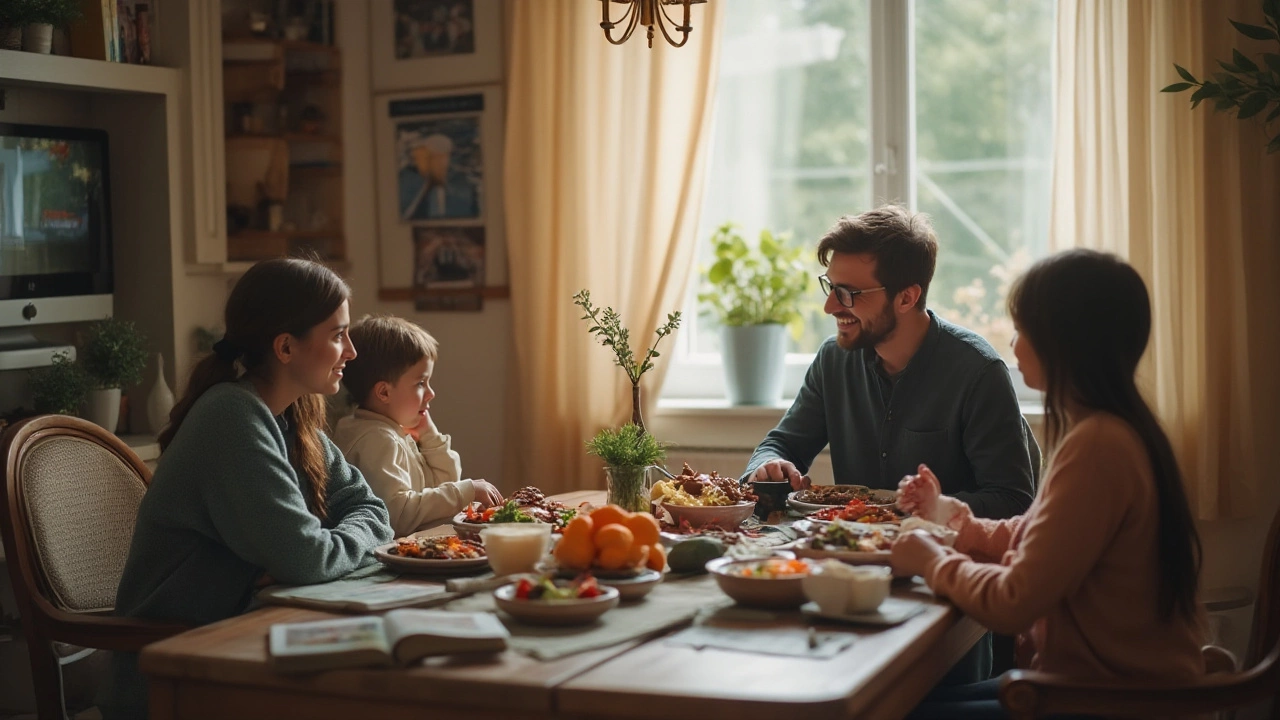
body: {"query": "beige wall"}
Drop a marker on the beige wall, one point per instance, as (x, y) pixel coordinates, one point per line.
(470, 377)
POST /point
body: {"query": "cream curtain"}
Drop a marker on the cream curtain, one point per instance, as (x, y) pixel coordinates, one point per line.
(1191, 199)
(605, 155)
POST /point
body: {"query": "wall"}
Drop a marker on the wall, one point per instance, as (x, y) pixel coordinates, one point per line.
(471, 375)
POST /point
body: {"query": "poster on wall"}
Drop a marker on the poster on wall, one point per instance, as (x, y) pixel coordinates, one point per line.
(438, 162)
(448, 262)
(435, 43)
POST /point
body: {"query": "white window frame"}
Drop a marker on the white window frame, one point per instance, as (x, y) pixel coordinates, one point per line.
(699, 377)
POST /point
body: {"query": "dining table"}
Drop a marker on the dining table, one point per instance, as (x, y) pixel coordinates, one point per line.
(222, 671)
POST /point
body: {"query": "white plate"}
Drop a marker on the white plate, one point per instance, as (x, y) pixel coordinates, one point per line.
(887, 498)
(556, 612)
(852, 557)
(891, 612)
(427, 565)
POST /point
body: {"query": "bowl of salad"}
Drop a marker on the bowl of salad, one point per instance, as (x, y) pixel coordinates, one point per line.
(772, 582)
(469, 522)
(547, 601)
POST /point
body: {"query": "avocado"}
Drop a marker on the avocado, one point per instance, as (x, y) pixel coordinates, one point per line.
(692, 555)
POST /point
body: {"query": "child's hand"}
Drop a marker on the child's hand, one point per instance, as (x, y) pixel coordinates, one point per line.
(921, 495)
(913, 552)
(486, 494)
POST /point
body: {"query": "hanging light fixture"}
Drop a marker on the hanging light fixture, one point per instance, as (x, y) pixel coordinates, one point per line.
(648, 13)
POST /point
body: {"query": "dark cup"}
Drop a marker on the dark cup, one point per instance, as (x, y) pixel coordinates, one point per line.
(771, 495)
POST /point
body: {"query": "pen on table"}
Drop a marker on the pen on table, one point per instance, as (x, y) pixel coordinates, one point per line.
(813, 638)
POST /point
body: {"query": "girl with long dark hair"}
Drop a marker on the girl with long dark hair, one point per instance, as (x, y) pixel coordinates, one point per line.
(249, 489)
(1098, 578)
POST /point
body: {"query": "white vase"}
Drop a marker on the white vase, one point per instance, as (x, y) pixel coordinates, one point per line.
(103, 408)
(37, 38)
(159, 400)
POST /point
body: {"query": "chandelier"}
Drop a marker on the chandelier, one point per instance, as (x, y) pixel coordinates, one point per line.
(648, 13)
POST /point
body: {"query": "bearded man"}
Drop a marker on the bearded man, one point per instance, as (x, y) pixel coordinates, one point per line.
(897, 386)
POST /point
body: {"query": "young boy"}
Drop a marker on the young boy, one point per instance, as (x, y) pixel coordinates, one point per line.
(390, 381)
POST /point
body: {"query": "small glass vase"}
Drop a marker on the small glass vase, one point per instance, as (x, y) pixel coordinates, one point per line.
(629, 487)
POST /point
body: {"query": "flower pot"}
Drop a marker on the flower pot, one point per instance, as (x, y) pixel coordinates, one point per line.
(10, 38)
(103, 408)
(628, 487)
(38, 38)
(754, 356)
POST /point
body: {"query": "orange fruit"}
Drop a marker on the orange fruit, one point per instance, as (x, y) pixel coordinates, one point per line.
(607, 515)
(614, 535)
(579, 526)
(657, 557)
(575, 552)
(612, 558)
(644, 526)
(638, 556)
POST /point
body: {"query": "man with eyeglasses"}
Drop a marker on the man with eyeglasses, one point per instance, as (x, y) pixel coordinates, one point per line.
(897, 386)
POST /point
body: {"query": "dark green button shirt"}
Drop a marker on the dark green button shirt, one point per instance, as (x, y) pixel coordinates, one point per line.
(952, 408)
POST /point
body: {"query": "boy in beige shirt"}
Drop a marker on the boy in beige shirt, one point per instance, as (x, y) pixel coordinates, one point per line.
(391, 439)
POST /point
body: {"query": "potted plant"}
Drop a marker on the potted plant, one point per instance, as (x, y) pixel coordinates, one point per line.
(1242, 85)
(11, 22)
(114, 356)
(754, 293)
(41, 16)
(630, 451)
(60, 388)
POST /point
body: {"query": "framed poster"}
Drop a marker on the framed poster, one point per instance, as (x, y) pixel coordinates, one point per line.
(439, 191)
(435, 43)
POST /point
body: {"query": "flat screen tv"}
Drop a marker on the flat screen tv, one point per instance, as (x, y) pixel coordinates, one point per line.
(55, 225)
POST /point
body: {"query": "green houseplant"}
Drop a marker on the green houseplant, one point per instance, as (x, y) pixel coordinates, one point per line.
(754, 292)
(11, 22)
(1243, 85)
(40, 17)
(630, 451)
(60, 388)
(114, 355)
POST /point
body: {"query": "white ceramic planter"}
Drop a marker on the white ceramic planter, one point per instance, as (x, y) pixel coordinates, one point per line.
(103, 408)
(754, 357)
(37, 38)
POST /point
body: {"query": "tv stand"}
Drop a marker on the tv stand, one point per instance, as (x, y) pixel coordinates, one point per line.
(19, 350)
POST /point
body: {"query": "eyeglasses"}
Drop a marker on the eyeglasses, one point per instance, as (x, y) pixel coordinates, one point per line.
(845, 296)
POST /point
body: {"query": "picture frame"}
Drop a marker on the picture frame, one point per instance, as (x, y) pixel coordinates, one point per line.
(435, 43)
(439, 171)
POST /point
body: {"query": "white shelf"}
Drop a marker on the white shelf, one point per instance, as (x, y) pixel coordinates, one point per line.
(57, 71)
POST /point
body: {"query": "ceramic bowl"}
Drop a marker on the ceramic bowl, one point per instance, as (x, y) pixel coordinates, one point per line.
(725, 517)
(556, 612)
(784, 592)
(632, 588)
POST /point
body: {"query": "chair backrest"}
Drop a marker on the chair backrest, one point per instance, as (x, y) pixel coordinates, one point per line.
(72, 492)
(1265, 637)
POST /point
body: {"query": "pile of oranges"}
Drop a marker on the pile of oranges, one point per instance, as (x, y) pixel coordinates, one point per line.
(610, 538)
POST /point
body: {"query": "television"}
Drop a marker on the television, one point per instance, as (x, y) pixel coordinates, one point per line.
(55, 226)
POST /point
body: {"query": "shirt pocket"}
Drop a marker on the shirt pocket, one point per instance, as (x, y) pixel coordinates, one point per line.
(935, 448)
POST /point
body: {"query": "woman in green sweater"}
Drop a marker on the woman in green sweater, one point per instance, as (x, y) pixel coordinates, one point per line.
(249, 490)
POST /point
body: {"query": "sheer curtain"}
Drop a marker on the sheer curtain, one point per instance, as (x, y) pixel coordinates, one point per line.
(1191, 199)
(605, 156)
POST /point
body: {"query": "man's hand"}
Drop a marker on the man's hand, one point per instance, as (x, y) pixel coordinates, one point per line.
(486, 494)
(913, 552)
(779, 470)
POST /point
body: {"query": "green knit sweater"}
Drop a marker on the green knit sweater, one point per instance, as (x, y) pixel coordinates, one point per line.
(225, 507)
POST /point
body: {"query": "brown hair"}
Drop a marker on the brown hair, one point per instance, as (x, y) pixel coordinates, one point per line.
(902, 242)
(388, 346)
(1088, 318)
(274, 297)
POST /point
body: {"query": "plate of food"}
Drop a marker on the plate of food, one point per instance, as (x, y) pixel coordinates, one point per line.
(704, 500)
(546, 601)
(773, 582)
(818, 497)
(528, 504)
(442, 554)
(853, 543)
(858, 512)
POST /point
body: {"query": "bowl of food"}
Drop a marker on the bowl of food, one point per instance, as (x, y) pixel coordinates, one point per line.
(556, 602)
(704, 500)
(774, 582)
(526, 505)
(840, 589)
(725, 517)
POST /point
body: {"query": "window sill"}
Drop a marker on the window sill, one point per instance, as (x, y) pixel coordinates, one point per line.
(713, 424)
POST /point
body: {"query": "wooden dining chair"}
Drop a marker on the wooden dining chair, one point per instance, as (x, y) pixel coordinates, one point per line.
(1032, 694)
(70, 497)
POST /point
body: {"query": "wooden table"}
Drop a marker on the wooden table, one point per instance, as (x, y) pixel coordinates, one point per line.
(220, 671)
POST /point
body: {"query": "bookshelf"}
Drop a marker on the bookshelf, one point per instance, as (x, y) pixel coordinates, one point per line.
(58, 72)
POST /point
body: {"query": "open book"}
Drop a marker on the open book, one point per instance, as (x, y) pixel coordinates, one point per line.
(400, 637)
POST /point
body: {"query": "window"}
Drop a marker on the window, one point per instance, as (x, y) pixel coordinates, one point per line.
(828, 107)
